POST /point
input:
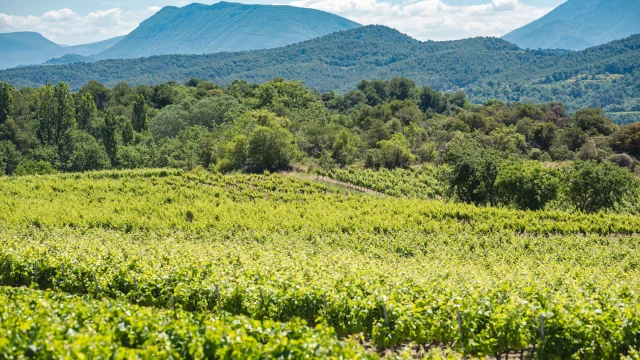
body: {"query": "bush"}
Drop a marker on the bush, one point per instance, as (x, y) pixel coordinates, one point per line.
(32, 167)
(9, 157)
(593, 187)
(526, 185)
(394, 153)
(87, 153)
(622, 160)
(271, 148)
(473, 171)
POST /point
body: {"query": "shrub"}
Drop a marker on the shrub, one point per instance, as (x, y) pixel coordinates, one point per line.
(593, 187)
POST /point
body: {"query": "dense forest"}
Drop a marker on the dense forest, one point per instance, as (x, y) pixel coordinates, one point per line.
(279, 125)
(605, 76)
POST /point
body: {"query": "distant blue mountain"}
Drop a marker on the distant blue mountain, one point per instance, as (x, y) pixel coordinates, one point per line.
(579, 24)
(31, 48)
(224, 27)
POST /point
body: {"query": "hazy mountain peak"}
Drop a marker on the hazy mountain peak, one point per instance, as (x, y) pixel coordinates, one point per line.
(578, 24)
(224, 27)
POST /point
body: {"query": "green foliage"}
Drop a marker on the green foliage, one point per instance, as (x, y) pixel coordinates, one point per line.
(486, 68)
(593, 121)
(109, 137)
(169, 122)
(526, 185)
(345, 148)
(422, 183)
(99, 92)
(184, 151)
(104, 328)
(474, 172)
(594, 187)
(55, 116)
(431, 100)
(9, 157)
(85, 153)
(274, 249)
(6, 103)
(86, 112)
(627, 139)
(32, 167)
(127, 132)
(391, 154)
(140, 120)
(271, 148)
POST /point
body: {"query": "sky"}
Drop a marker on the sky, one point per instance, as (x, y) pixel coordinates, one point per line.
(72, 22)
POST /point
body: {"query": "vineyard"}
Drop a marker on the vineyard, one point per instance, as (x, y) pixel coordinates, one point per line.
(179, 264)
(419, 183)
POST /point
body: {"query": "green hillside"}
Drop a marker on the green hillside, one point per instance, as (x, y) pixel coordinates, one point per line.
(484, 67)
(224, 26)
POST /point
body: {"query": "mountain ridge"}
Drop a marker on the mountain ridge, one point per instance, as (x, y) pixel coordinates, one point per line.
(32, 48)
(579, 24)
(485, 67)
(224, 26)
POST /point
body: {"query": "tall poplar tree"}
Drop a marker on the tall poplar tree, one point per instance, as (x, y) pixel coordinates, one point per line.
(109, 136)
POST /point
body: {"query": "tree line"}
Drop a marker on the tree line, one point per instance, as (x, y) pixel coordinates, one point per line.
(509, 153)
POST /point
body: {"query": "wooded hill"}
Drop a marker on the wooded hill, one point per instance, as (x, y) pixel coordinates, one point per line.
(604, 76)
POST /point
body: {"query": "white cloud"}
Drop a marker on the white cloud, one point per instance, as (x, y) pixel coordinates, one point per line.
(434, 19)
(64, 26)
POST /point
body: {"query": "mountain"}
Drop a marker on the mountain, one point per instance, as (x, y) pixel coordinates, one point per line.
(22, 48)
(579, 24)
(605, 76)
(224, 26)
(27, 48)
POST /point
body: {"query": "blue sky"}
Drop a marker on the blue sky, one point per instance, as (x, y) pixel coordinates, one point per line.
(73, 22)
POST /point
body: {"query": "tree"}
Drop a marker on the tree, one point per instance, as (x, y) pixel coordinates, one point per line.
(100, 93)
(86, 112)
(163, 95)
(185, 151)
(593, 186)
(593, 121)
(9, 157)
(140, 115)
(376, 92)
(86, 153)
(345, 148)
(589, 151)
(6, 103)
(402, 88)
(209, 112)
(473, 173)
(627, 139)
(288, 94)
(109, 138)
(432, 100)
(64, 114)
(127, 132)
(271, 148)
(44, 114)
(526, 185)
(169, 122)
(543, 135)
(393, 153)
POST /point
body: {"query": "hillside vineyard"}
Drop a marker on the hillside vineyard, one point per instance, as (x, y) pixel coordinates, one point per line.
(220, 248)
(272, 182)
